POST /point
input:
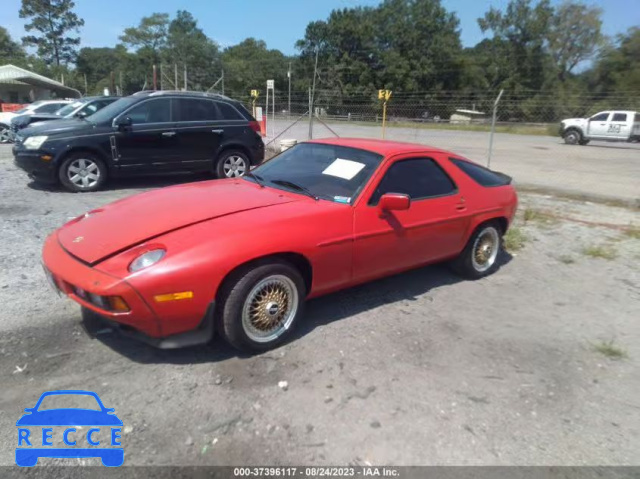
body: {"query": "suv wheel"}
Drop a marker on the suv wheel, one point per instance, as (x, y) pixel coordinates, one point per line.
(232, 164)
(82, 172)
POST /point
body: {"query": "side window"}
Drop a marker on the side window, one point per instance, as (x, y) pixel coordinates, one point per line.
(193, 109)
(152, 111)
(600, 117)
(228, 112)
(481, 175)
(419, 178)
(619, 117)
(50, 107)
(91, 108)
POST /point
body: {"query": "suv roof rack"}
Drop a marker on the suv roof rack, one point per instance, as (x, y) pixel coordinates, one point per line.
(182, 92)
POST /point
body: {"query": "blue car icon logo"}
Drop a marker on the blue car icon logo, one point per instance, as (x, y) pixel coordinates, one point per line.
(64, 432)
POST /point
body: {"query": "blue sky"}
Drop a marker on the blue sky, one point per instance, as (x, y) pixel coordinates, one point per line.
(279, 22)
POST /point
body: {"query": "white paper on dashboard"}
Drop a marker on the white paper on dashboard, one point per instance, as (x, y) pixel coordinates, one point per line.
(346, 169)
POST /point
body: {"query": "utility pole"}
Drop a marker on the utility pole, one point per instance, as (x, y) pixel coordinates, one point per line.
(175, 76)
(155, 78)
(185, 77)
(161, 76)
(312, 93)
(86, 89)
(223, 82)
(121, 90)
(289, 77)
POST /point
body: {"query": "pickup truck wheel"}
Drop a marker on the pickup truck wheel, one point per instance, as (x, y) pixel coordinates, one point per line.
(82, 172)
(572, 137)
(260, 305)
(584, 142)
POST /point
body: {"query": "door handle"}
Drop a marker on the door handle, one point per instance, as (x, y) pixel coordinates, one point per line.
(168, 133)
(218, 132)
(461, 207)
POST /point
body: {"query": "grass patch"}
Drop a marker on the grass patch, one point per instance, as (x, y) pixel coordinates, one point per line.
(610, 350)
(600, 251)
(566, 259)
(633, 232)
(531, 214)
(514, 240)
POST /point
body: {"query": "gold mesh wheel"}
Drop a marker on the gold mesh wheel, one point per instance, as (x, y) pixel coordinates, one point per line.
(270, 308)
(485, 249)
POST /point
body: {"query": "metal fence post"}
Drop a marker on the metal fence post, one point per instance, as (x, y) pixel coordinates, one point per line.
(493, 127)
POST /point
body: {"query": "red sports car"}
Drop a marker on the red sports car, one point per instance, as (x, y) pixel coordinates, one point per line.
(240, 256)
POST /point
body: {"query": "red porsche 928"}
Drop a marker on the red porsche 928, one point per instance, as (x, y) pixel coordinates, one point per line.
(239, 256)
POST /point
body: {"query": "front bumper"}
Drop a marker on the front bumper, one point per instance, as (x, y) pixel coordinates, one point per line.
(31, 161)
(141, 322)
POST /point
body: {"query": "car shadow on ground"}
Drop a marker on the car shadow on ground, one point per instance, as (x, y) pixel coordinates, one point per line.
(134, 183)
(319, 312)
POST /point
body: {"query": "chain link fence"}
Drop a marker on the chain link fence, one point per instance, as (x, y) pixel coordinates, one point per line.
(526, 137)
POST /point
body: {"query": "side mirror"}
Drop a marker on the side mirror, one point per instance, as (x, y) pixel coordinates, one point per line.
(393, 202)
(123, 123)
(81, 114)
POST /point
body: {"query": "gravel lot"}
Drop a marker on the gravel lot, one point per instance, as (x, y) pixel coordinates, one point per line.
(605, 169)
(421, 368)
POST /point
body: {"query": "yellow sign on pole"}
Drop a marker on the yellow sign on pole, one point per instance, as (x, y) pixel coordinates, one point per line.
(384, 95)
(254, 95)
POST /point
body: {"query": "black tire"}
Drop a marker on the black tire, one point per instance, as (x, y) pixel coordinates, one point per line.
(467, 265)
(94, 176)
(234, 297)
(225, 164)
(572, 137)
(584, 142)
(5, 133)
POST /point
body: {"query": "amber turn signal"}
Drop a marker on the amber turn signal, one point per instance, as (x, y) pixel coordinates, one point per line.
(161, 298)
(118, 304)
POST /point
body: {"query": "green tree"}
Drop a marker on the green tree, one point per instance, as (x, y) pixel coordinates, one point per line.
(10, 51)
(188, 45)
(151, 33)
(249, 64)
(53, 19)
(617, 69)
(521, 31)
(575, 34)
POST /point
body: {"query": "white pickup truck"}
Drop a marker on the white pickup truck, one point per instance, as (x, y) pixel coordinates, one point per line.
(606, 125)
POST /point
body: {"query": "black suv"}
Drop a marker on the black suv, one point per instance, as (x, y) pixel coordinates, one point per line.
(142, 134)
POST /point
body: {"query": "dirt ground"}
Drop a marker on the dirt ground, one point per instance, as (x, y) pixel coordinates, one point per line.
(535, 365)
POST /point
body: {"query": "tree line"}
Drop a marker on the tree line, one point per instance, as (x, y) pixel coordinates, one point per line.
(551, 56)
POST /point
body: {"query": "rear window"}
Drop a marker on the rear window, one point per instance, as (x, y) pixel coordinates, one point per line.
(480, 174)
(228, 112)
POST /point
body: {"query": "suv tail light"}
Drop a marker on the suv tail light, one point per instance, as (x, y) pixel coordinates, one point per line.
(255, 126)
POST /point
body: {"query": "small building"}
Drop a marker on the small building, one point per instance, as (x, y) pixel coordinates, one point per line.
(464, 117)
(18, 85)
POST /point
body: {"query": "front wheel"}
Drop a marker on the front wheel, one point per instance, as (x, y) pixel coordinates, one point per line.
(480, 256)
(584, 142)
(5, 134)
(260, 305)
(572, 137)
(232, 164)
(82, 172)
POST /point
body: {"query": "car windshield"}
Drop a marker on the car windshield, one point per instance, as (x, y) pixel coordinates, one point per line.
(331, 172)
(70, 108)
(65, 401)
(111, 110)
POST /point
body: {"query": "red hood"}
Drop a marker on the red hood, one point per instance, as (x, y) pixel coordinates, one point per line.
(125, 223)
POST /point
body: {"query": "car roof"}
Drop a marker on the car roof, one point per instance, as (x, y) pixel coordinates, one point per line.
(382, 147)
(186, 94)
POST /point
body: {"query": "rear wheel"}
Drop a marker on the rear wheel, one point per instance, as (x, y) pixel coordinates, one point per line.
(480, 256)
(5, 134)
(232, 164)
(82, 172)
(572, 137)
(260, 305)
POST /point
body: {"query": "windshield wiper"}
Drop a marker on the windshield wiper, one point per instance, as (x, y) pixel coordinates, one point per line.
(296, 187)
(258, 179)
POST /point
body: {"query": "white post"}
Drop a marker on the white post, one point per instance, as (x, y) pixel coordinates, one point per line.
(493, 127)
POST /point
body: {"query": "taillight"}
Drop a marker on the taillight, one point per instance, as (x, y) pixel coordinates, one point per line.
(255, 126)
